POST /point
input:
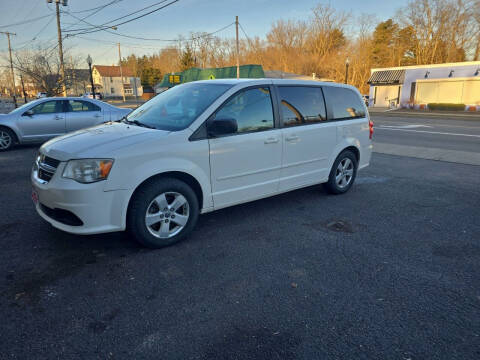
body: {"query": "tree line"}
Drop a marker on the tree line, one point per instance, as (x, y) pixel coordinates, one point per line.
(422, 32)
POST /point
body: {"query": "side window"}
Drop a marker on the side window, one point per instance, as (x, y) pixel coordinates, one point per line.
(343, 103)
(77, 105)
(48, 107)
(252, 109)
(301, 105)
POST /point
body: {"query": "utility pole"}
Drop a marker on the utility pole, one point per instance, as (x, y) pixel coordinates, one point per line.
(60, 47)
(238, 52)
(121, 73)
(23, 89)
(347, 64)
(11, 66)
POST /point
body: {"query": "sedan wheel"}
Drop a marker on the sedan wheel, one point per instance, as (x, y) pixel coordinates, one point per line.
(6, 139)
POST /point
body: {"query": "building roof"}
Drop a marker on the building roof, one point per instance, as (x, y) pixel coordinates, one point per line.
(464, 63)
(112, 71)
(387, 77)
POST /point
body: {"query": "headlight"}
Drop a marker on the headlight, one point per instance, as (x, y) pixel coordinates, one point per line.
(88, 170)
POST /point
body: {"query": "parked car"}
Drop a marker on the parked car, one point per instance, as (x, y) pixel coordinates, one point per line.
(200, 147)
(89, 95)
(41, 95)
(42, 119)
(366, 99)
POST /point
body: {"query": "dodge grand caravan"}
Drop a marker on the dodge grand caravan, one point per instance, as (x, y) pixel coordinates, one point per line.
(200, 147)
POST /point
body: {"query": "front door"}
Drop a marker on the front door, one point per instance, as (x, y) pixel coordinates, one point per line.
(81, 114)
(308, 139)
(47, 121)
(245, 165)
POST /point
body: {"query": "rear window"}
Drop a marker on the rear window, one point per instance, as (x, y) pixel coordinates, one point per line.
(301, 105)
(343, 103)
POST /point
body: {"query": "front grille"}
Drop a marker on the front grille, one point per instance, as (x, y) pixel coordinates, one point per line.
(51, 161)
(46, 167)
(45, 175)
(63, 216)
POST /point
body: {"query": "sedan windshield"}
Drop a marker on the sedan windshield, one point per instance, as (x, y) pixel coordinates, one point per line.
(176, 108)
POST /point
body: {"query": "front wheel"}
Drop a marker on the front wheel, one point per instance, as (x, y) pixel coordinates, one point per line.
(343, 173)
(7, 139)
(162, 212)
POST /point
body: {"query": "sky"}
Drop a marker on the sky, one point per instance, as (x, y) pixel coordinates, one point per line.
(180, 18)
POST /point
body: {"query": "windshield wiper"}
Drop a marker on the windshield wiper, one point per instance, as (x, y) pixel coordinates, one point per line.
(136, 122)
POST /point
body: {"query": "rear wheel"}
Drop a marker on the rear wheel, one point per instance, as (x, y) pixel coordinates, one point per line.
(343, 173)
(162, 212)
(7, 139)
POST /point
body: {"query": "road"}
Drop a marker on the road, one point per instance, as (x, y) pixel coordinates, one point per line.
(452, 138)
(386, 271)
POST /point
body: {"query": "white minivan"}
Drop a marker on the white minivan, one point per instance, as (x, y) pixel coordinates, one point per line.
(200, 147)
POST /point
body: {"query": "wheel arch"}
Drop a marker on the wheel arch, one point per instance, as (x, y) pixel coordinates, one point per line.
(179, 175)
(16, 138)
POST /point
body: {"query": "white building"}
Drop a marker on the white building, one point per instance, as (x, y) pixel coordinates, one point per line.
(108, 82)
(416, 86)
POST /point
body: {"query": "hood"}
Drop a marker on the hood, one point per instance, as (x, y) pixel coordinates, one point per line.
(98, 141)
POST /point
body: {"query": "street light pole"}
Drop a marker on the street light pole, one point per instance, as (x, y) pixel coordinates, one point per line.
(89, 61)
(347, 64)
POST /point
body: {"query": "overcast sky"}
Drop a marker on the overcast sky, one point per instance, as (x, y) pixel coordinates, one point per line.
(181, 18)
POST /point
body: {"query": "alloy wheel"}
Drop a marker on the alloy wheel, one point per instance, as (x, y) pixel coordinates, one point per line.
(344, 173)
(5, 140)
(167, 215)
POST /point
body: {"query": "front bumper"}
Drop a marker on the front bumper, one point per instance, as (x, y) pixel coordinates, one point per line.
(99, 211)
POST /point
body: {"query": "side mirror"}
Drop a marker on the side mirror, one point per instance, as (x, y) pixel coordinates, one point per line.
(28, 113)
(221, 126)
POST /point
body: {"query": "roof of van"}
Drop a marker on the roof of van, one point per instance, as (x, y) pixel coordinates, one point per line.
(268, 80)
(275, 81)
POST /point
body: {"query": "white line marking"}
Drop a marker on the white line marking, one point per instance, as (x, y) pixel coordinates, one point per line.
(412, 126)
(427, 132)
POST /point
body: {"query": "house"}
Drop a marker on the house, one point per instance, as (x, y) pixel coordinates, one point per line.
(419, 85)
(109, 83)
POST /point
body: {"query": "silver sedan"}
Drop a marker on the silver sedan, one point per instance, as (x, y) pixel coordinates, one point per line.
(42, 119)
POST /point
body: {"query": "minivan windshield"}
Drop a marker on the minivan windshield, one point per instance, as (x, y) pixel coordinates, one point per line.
(176, 108)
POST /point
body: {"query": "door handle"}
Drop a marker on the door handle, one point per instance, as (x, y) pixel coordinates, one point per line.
(291, 138)
(58, 117)
(271, 140)
(98, 115)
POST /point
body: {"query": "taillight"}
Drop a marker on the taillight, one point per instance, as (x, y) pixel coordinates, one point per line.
(370, 128)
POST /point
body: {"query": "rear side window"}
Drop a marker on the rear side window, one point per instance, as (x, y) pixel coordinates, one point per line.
(343, 103)
(78, 105)
(301, 105)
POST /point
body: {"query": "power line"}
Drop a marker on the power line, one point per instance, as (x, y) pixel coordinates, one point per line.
(96, 10)
(26, 21)
(98, 7)
(244, 33)
(121, 17)
(102, 27)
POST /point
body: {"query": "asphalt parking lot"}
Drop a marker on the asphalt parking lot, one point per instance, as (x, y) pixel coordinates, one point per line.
(389, 270)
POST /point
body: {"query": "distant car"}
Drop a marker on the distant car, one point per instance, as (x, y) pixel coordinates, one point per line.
(366, 99)
(41, 95)
(42, 119)
(89, 95)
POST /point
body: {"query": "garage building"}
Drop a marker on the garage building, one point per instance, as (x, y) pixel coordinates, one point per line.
(419, 85)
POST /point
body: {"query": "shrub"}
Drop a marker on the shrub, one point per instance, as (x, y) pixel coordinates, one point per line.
(447, 107)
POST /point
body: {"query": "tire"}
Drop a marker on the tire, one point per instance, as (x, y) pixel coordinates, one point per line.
(340, 182)
(172, 210)
(7, 139)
